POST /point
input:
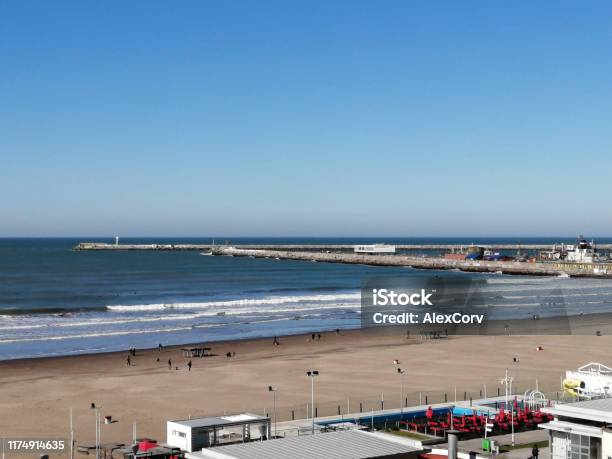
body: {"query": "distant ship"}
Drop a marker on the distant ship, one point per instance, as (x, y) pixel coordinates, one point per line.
(581, 252)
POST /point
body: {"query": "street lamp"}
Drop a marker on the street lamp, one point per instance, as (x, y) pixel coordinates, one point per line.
(507, 382)
(401, 373)
(273, 390)
(312, 374)
(96, 410)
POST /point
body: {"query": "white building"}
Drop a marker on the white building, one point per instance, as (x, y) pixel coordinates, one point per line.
(374, 248)
(581, 430)
(194, 434)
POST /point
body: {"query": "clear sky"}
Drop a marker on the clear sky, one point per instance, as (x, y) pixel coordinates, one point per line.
(305, 118)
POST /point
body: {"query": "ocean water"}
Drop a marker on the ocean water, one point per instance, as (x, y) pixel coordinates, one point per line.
(56, 301)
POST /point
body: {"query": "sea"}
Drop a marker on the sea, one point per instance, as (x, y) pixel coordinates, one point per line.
(58, 301)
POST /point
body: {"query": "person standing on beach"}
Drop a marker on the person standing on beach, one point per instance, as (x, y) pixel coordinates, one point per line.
(129, 361)
(189, 365)
(169, 364)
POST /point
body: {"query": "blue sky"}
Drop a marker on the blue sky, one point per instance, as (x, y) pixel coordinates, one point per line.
(298, 118)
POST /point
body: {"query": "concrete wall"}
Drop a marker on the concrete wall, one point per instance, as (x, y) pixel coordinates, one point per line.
(174, 440)
(606, 444)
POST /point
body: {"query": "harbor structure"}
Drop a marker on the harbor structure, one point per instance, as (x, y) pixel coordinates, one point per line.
(558, 268)
(92, 246)
(581, 259)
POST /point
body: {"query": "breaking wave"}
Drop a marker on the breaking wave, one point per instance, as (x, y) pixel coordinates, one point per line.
(276, 300)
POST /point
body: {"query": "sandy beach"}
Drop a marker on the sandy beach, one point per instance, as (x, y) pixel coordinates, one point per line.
(37, 394)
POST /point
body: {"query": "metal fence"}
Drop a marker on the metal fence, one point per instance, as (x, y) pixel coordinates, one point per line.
(389, 400)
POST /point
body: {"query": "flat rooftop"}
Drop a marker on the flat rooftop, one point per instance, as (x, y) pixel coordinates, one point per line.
(213, 421)
(348, 444)
(599, 410)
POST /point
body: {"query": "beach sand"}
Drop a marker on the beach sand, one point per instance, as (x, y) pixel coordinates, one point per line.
(37, 394)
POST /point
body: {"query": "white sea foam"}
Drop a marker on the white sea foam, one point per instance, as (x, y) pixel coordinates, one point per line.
(144, 316)
(99, 334)
(272, 300)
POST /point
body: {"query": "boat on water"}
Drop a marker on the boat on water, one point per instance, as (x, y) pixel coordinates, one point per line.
(582, 251)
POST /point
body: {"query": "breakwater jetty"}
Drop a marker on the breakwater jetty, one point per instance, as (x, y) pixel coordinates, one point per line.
(312, 247)
(559, 268)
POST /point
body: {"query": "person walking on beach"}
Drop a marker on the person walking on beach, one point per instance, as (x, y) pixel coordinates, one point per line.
(129, 361)
(169, 364)
(275, 342)
(535, 451)
(189, 365)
